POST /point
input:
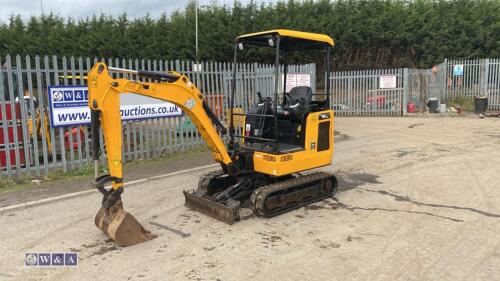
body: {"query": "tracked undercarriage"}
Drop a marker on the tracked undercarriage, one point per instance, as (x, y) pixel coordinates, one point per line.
(223, 197)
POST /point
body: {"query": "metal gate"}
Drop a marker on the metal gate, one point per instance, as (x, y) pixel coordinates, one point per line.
(453, 82)
(456, 82)
(423, 84)
(492, 89)
(367, 92)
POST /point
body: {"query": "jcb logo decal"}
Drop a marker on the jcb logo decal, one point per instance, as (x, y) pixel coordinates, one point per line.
(269, 158)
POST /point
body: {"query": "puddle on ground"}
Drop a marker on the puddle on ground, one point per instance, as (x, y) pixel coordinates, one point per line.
(493, 135)
(418, 203)
(315, 207)
(334, 203)
(323, 244)
(103, 250)
(173, 230)
(339, 136)
(402, 153)
(347, 181)
(103, 247)
(415, 125)
(269, 239)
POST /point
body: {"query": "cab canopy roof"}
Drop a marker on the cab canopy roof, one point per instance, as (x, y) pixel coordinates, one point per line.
(290, 39)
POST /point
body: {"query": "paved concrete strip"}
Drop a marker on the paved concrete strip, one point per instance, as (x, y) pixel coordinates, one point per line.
(84, 192)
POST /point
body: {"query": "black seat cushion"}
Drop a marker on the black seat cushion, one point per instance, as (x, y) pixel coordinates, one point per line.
(301, 94)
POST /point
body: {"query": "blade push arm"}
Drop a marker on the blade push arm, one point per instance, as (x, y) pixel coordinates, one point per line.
(104, 98)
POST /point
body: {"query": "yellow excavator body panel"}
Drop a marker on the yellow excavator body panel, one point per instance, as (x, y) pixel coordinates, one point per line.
(318, 150)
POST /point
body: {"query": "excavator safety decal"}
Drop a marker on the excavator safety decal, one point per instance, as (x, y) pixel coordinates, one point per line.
(286, 158)
(269, 158)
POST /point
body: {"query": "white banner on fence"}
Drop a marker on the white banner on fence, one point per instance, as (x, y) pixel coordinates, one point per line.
(387, 82)
(295, 80)
(69, 106)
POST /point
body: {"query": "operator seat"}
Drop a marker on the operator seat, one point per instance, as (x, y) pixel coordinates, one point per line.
(297, 104)
(299, 94)
(292, 116)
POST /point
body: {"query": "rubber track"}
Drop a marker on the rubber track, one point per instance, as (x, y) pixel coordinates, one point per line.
(259, 195)
(206, 178)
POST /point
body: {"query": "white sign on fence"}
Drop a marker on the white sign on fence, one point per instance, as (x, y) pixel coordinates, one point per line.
(68, 106)
(295, 80)
(387, 82)
(197, 67)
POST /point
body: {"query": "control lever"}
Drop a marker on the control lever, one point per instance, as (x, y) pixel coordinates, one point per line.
(261, 100)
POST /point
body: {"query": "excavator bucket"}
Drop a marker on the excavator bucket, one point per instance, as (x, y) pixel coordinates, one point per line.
(227, 214)
(121, 226)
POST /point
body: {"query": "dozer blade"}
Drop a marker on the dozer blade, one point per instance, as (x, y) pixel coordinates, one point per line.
(121, 226)
(211, 208)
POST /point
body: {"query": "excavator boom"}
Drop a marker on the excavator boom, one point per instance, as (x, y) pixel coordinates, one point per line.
(104, 102)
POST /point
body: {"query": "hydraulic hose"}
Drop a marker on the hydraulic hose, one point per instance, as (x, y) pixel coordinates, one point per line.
(94, 132)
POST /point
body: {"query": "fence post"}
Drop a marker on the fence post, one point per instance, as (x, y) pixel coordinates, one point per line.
(4, 124)
(31, 108)
(484, 77)
(13, 111)
(406, 89)
(445, 81)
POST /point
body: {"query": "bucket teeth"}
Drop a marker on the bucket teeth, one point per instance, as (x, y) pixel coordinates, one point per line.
(121, 226)
(227, 214)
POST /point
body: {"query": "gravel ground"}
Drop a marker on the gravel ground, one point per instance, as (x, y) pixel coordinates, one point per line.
(418, 200)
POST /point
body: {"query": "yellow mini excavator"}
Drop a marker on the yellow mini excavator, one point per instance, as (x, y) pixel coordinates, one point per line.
(284, 134)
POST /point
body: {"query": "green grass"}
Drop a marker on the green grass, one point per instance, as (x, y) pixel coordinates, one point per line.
(9, 184)
(16, 183)
(465, 103)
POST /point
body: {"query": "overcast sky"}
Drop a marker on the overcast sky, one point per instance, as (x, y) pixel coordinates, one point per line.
(82, 8)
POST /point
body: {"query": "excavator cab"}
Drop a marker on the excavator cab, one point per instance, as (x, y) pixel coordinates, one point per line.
(285, 134)
(277, 123)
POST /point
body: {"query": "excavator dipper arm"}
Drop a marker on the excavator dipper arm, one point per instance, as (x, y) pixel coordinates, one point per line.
(104, 97)
(104, 102)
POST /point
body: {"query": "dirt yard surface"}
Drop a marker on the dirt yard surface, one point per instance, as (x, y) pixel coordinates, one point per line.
(418, 200)
(134, 171)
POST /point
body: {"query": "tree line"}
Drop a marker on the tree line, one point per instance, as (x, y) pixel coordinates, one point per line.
(367, 33)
